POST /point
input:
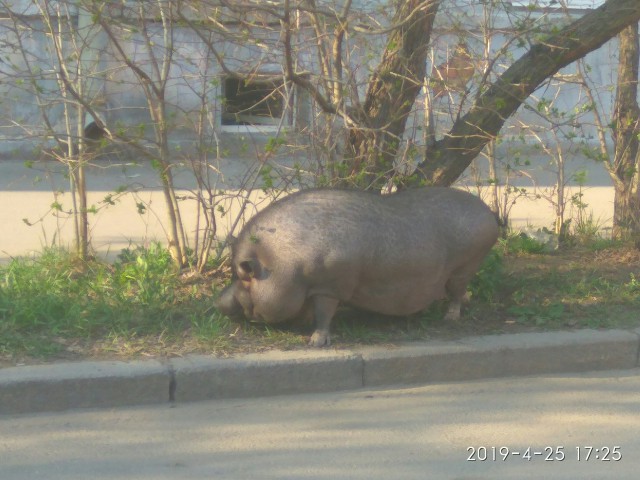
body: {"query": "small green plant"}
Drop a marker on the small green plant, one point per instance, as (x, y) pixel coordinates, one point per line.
(146, 275)
(521, 243)
(209, 326)
(489, 277)
(586, 227)
(633, 286)
(538, 314)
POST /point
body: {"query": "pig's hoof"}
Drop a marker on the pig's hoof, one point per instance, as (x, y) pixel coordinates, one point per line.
(453, 313)
(320, 339)
(452, 316)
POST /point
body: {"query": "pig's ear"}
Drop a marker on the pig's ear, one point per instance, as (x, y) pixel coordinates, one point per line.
(248, 268)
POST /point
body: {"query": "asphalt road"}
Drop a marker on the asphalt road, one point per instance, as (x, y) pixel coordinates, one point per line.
(448, 431)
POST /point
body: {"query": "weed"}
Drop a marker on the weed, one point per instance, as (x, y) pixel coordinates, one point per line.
(489, 277)
(539, 315)
(521, 243)
(146, 275)
(207, 327)
(632, 288)
(586, 227)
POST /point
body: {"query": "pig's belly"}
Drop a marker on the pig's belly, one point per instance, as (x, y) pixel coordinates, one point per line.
(398, 296)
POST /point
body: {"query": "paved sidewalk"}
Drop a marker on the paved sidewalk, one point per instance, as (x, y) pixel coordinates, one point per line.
(108, 384)
(120, 225)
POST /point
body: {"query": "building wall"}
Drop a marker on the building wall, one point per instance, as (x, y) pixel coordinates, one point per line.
(195, 80)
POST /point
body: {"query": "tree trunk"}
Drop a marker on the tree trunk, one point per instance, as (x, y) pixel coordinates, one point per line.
(451, 155)
(392, 92)
(626, 114)
(626, 215)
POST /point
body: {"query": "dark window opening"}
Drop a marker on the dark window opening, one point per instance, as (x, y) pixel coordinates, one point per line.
(252, 102)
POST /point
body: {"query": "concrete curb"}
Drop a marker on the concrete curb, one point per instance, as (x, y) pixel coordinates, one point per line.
(59, 387)
(46, 388)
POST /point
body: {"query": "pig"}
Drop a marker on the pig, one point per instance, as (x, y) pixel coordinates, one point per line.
(393, 254)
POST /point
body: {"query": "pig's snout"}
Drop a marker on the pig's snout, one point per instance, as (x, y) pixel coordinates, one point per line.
(235, 301)
(227, 303)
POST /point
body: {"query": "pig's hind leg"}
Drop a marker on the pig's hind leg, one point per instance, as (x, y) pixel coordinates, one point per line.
(456, 288)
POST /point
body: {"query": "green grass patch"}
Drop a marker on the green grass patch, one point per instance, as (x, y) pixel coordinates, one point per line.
(50, 300)
(53, 306)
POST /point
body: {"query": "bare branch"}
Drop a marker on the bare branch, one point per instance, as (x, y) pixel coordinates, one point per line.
(487, 116)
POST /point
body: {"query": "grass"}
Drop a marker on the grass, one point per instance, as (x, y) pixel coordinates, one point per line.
(53, 301)
(591, 285)
(55, 307)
